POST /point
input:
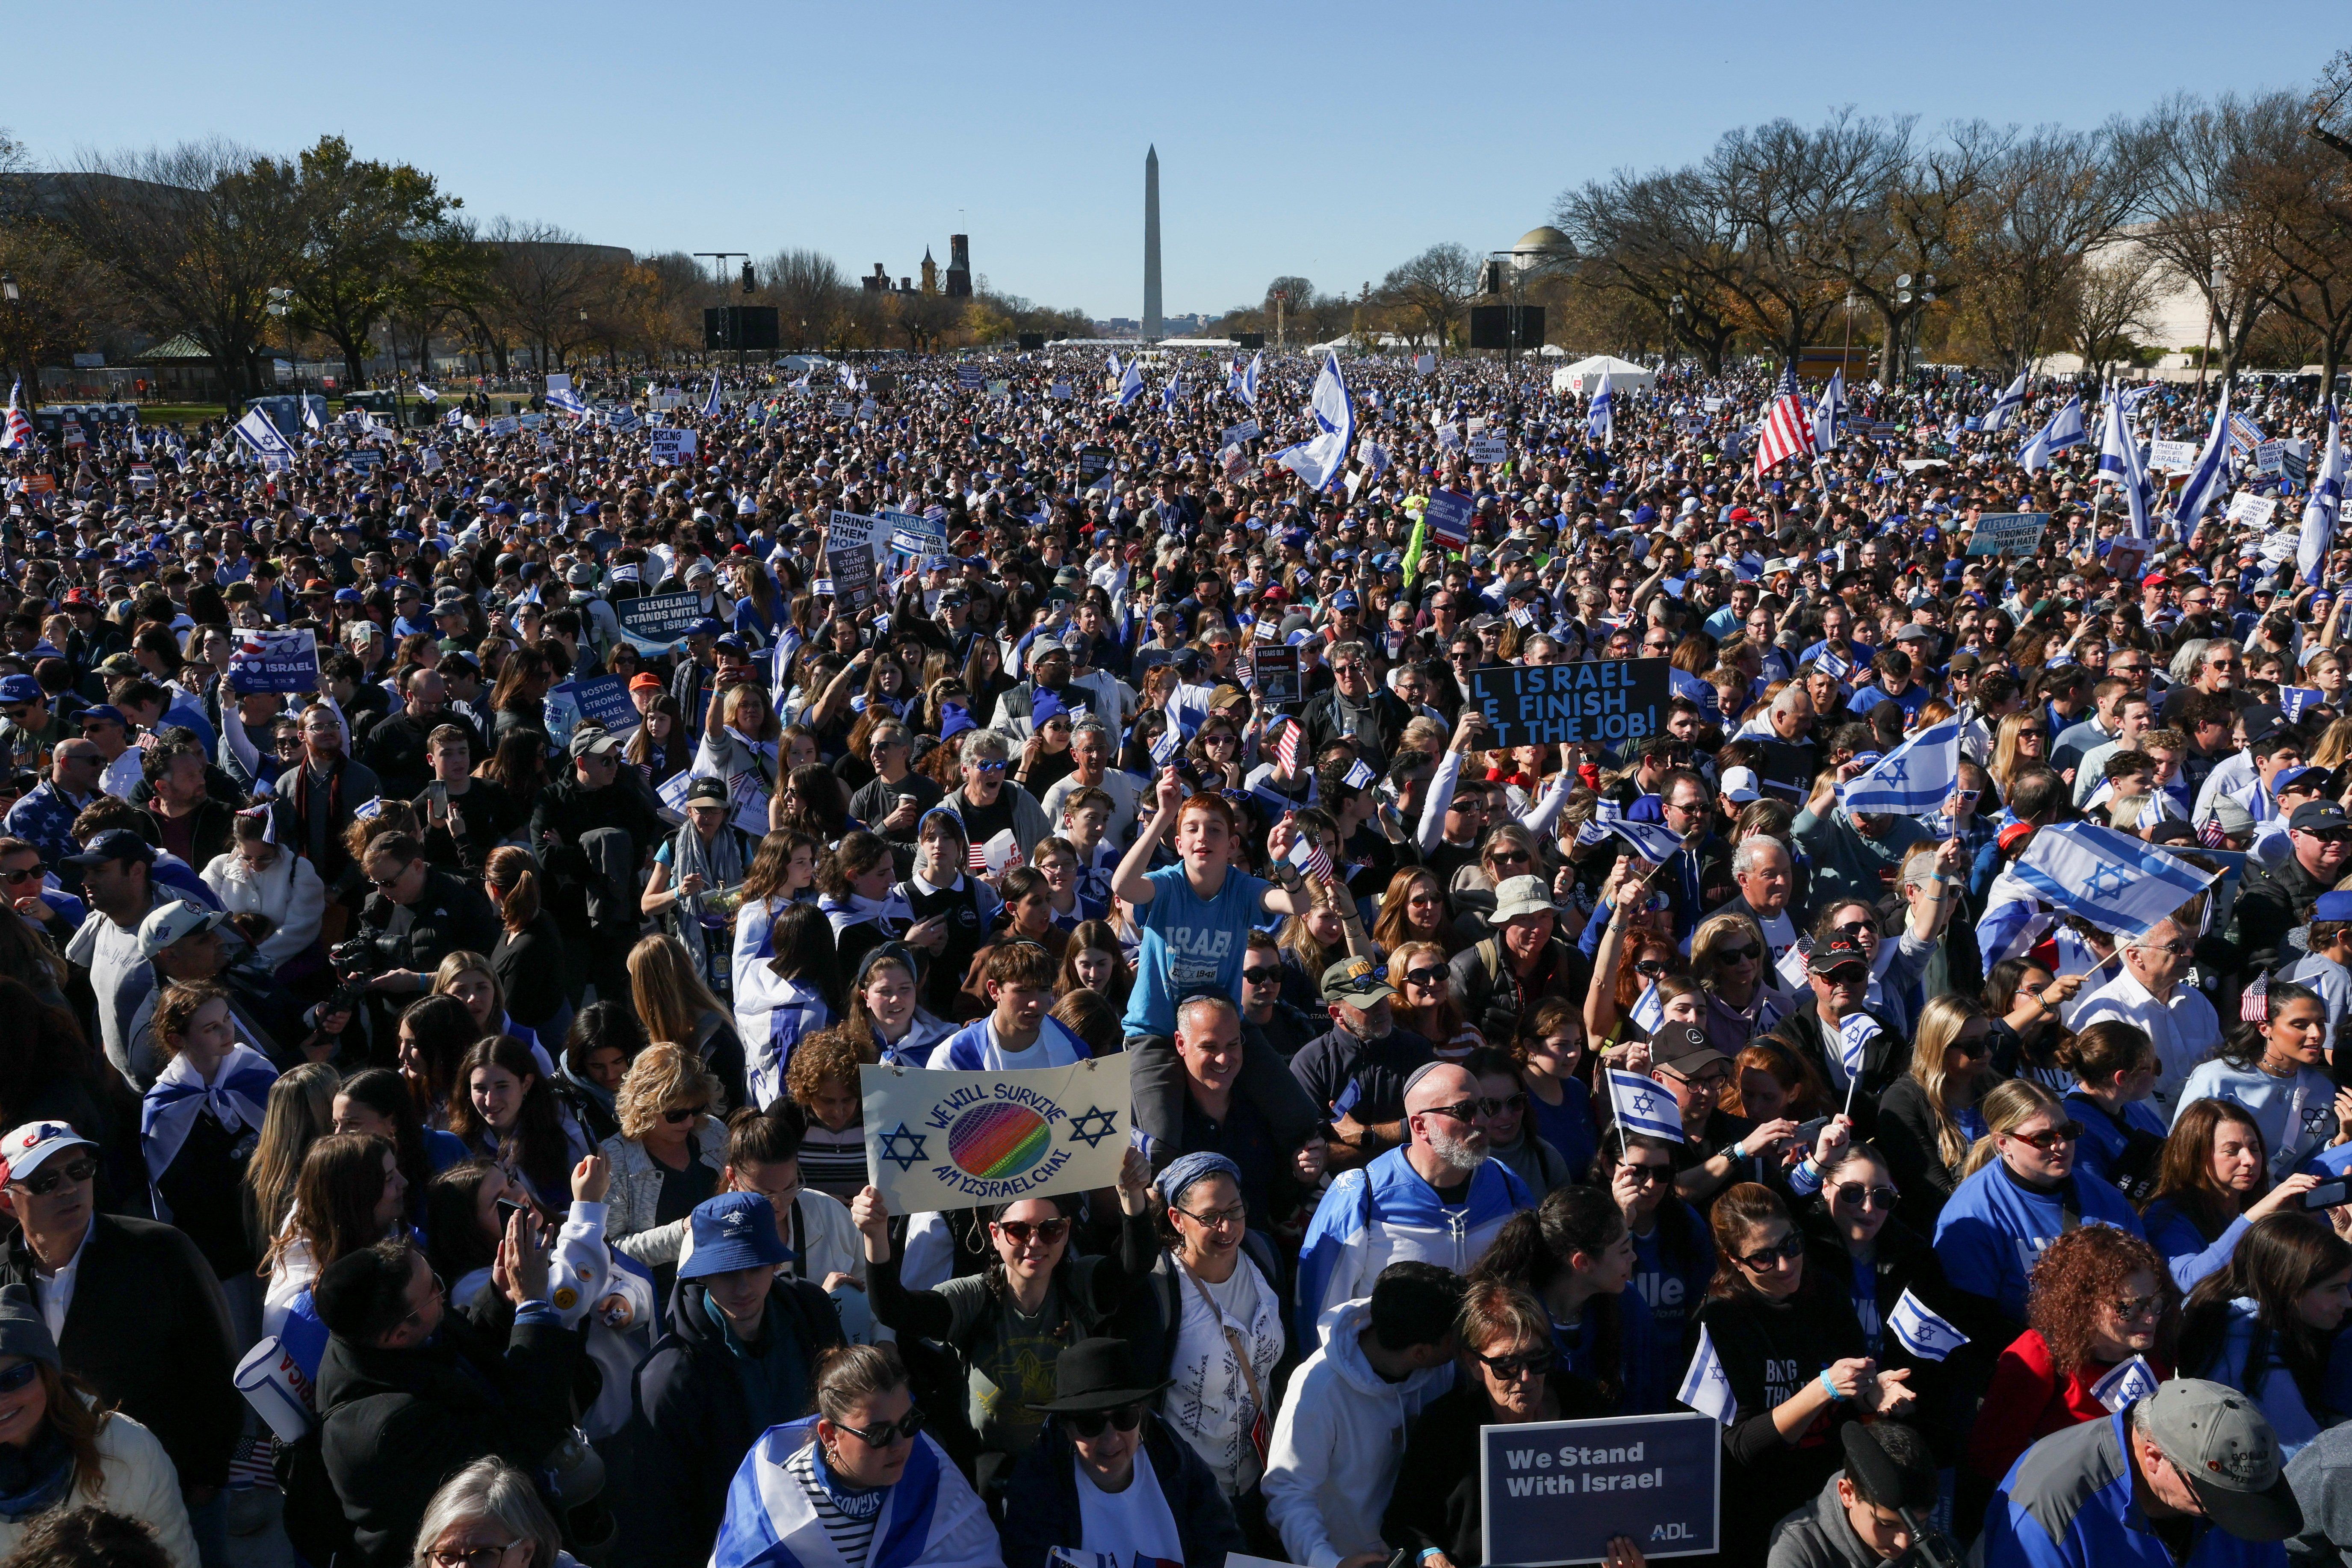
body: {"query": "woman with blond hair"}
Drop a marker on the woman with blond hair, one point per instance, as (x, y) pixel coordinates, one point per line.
(300, 1112)
(1927, 1119)
(1414, 909)
(1425, 1002)
(1732, 962)
(2022, 743)
(672, 1146)
(674, 1005)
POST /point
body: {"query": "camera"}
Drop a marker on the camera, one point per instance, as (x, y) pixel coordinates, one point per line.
(355, 966)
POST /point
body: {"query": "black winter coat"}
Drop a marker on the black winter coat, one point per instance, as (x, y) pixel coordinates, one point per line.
(1041, 1510)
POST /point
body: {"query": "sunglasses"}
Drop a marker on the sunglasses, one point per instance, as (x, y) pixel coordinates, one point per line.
(385, 884)
(889, 1432)
(1089, 1424)
(1637, 1171)
(1791, 1248)
(1746, 955)
(1511, 1368)
(1977, 1049)
(29, 874)
(1855, 1193)
(992, 765)
(684, 1114)
(1261, 976)
(1046, 1231)
(1489, 1106)
(1460, 1111)
(1650, 968)
(42, 1183)
(1429, 977)
(2049, 1137)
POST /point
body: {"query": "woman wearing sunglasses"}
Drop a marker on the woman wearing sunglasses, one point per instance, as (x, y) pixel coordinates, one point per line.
(2023, 1192)
(1035, 1295)
(1573, 1254)
(860, 1477)
(1635, 954)
(1730, 959)
(1927, 1119)
(1857, 1240)
(1508, 1375)
(672, 1145)
(1425, 1002)
(1110, 1477)
(1798, 1363)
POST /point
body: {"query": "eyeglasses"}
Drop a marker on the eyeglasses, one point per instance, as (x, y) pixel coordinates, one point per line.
(2178, 949)
(1429, 977)
(417, 1314)
(1511, 1368)
(1489, 1106)
(2049, 1137)
(1263, 976)
(687, 1113)
(1089, 1424)
(1861, 1197)
(889, 1432)
(42, 1183)
(1216, 1219)
(1046, 1231)
(385, 884)
(1790, 1247)
(1746, 955)
(473, 1556)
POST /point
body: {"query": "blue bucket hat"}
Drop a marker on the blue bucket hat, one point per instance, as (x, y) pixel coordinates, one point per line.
(731, 1231)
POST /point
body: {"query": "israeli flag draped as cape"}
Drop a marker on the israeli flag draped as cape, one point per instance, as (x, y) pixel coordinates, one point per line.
(930, 1518)
(238, 1097)
(1320, 460)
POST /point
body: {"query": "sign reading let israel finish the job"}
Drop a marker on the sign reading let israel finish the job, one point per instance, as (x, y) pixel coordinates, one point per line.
(1604, 701)
(942, 1140)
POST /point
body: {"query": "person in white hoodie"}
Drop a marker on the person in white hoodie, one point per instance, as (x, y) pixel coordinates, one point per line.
(1341, 1434)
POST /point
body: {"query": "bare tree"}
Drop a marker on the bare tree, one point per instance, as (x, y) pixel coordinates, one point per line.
(2113, 297)
(1655, 239)
(808, 293)
(2305, 200)
(542, 279)
(1434, 291)
(2051, 196)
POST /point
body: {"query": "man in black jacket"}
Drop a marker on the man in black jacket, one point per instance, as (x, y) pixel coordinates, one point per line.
(592, 829)
(410, 1392)
(739, 1357)
(1371, 717)
(417, 916)
(133, 1307)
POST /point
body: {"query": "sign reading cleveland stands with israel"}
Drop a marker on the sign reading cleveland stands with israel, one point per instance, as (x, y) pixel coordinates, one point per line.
(954, 1139)
(1604, 700)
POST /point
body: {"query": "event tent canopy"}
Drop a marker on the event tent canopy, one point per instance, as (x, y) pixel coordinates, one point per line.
(1584, 377)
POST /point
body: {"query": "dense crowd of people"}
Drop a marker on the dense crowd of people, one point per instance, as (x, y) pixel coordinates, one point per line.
(433, 1102)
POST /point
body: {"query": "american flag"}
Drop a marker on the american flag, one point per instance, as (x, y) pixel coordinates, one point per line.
(17, 435)
(975, 858)
(1787, 430)
(1308, 856)
(1286, 749)
(2210, 834)
(2253, 1002)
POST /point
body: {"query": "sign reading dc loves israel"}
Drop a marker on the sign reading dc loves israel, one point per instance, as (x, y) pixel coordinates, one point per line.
(955, 1140)
(1559, 1491)
(266, 660)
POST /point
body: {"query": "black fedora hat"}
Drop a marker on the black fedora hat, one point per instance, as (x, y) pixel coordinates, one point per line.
(1098, 1374)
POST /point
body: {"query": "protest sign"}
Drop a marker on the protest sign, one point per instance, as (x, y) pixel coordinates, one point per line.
(916, 535)
(2251, 510)
(2008, 533)
(506, 424)
(852, 570)
(840, 408)
(850, 530)
(1093, 462)
(1607, 700)
(1489, 450)
(2270, 456)
(1448, 516)
(1559, 1491)
(1277, 676)
(969, 377)
(365, 460)
(2179, 457)
(954, 1139)
(604, 700)
(529, 421)
(1236, 435)
(143, 477)
(657, 623)
(2125, 558)
(671, 445)
(268, 660)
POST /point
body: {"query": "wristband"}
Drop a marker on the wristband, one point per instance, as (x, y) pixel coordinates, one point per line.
(1738, 1150)
(1831, 1388)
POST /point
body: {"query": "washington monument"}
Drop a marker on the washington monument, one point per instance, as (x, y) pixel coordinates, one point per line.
(1152, 328)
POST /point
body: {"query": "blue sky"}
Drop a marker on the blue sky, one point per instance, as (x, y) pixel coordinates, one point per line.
(1330, 139)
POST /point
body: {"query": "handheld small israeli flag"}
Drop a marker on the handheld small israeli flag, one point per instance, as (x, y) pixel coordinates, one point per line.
(1171, 742)
(1707, 1387)
(1914, 777)
(1828, 411)
(1248, 390)
(1360, 774)
(1830, 663)
(2132, 1380)
(2004, 407)
(2111, 880)
(427, 394)
(1130, 385)
(1308, 856)
(2065, 429)
(1644, 1107)
(2293, 699)
(1854, 1035)
(1649, 1009)
(2122, 461)
(1653, 841)
(1600, 424)
(1604, 811)
(710, 403)
(1922, 1333)
(1114, 364)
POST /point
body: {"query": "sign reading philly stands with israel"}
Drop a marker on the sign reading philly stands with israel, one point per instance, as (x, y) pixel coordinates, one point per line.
(939, 1140)
(1603, 700)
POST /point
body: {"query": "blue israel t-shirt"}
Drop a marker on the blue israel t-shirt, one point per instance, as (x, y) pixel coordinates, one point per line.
(1188, 945)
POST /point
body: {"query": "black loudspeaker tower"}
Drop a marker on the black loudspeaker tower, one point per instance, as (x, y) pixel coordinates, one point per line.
(741, 327)
(1490, 326)
(1032, 342)
(1252, 340)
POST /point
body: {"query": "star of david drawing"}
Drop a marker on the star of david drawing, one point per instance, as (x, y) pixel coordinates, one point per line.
(905, 1160)
(1090, 1135)
(2108, 880)
(1896, 772)
(1644, 1105)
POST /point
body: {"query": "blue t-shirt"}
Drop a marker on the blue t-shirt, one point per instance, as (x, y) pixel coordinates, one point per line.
(1188, 945)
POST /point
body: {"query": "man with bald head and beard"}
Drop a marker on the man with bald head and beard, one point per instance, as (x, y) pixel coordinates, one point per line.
(1436, 1198)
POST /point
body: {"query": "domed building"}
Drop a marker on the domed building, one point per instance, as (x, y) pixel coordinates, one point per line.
(1541, 247)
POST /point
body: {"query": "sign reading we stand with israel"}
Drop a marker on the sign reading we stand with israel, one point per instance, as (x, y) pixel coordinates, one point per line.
(943, 1140)
(1559, 1491)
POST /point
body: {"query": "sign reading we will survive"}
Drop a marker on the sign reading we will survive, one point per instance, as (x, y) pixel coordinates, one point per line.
(942, 1140)
(1559, 1491)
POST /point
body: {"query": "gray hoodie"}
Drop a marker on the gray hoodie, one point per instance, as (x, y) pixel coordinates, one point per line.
(1818, 1536)
(1337, 1443)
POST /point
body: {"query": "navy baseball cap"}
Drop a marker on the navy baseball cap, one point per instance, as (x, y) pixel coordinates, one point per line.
(708, 626)
(731, 1231)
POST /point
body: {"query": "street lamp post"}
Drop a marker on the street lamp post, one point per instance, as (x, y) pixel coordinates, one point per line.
(1675, 311)
(14, 298)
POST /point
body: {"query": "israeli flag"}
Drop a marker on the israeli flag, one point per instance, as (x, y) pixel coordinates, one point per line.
(1172, 394)
(427, 394)
(311, 422)
(1854, 1034)
(1707, 1387)
(2132, 1380)
(1360, 773)
(2004, 407)
(1114, 364)
(2111, 880)
(1916, 777)
(1247, 391)
(1922, 1333)
(1320, 460)
(929, 1517)
(1171, 742)
(1653, 841)
(2122, 461)
(1131, 386)
(257, 432)
(2064, 429)
(566, 400)
(1600, 424)
(1828, 411)
(2211, 474)
(2293, 699)
(2326, 508)
(1644, 1107)
(710, 403)
(1649, 1009)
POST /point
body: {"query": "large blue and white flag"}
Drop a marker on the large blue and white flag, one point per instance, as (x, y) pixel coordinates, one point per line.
(2325, 509)
(1922, 1333)
(1114, 365)
(2064, 429)
(427, 394)
(1707, 1387)
(930, 1516)
(1600, 424)
(1322, 458)
(1130, 385)
(563, 400)
(1247, 390)
(2209, 476)
(1172, 394)
(2111, 880)
(2004, 407)
(1644, 1108)
(710, 403)
(1653, 841)
(1828, 411)
(2122, 462)
(257, 432)
(1916, 777)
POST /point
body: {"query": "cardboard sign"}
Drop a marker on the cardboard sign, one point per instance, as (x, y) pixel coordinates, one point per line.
(915, 534)
(2270, 456)
(970, 377)
(604, 701)
(1093, 462)
(2008, 533)
(1606, 700)
(506, 424)
(1247, 430)
(1448, 516)
(1278, 681)
(852, 570)
(956, 1139)
(2124, 559)
(840, 408)
(671, 445)
(657, 623)
(2178, 456)
(1559, 1491)
(1489, 450)
(2251, 510)
(274, 660)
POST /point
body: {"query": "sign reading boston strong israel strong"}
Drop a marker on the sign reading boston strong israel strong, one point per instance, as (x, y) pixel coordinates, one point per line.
(1604, 701)
(940, 1140)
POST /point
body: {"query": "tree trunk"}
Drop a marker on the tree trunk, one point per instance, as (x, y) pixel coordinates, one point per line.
(355, 353)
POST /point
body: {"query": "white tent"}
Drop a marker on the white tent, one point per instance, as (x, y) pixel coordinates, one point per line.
(1584, 377)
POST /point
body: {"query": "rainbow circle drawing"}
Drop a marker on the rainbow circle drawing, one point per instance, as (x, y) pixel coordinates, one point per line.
(998, 1140)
